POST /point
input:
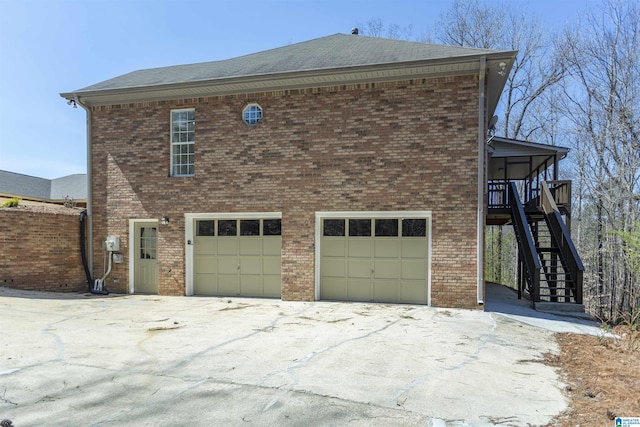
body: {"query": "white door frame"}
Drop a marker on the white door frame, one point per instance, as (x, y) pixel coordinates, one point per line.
(366, 215)
(189, 234)
(132, 237)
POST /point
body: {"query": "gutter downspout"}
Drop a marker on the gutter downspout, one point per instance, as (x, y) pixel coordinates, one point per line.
(481, 180)
(89, 175)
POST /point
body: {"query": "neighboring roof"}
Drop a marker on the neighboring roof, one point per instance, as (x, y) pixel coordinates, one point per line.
(520, 157)
(16, 184)
(346, 58)
(31, 187)
(74, 186)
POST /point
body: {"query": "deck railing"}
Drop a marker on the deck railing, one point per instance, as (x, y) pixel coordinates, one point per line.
(561, 192)
(498, 194)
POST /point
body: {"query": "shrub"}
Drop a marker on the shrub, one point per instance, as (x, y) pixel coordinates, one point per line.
(11, 203)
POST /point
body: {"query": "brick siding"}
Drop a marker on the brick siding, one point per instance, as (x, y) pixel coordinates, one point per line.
(40, 249)
(404, 145)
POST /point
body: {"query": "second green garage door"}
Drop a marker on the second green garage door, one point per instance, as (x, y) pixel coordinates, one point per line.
(237, 257)
(374, 259)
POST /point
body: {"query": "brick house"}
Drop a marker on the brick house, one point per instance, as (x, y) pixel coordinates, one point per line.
(341, 168)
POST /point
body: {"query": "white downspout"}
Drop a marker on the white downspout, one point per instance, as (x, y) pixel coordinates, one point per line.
(89, 198)
(481, 181)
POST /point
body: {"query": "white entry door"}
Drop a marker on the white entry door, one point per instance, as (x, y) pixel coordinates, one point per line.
(145, 258)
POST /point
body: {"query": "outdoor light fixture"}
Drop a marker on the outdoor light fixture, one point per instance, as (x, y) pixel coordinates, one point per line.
(503, 67)
(164, 220)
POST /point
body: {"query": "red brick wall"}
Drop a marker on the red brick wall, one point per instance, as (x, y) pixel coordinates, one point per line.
(40, 249)
(406, 145)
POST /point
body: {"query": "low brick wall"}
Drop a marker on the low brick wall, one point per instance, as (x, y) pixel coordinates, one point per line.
(40, 249)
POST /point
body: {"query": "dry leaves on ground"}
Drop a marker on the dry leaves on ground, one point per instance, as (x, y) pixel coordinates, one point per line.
(602, 376)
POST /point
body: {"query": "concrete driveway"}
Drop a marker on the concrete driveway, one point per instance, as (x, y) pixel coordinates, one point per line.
(134, 360)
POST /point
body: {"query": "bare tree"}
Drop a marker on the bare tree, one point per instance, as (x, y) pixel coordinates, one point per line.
(536, 69)
(602, 104)
(470, 23)
(375, 27)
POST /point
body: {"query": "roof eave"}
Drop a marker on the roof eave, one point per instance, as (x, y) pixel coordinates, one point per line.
(558, 149)
(451, 66)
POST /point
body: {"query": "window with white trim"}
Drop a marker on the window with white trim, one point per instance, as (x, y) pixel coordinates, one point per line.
(183, 141)
(252, 114)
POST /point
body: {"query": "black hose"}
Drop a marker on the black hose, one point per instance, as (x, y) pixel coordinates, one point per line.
(83, 252)
(83, 249)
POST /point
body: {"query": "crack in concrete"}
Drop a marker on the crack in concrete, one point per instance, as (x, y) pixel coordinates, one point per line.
(123, 412)
(5, 400)
(483, 340)
(335, 401)
(292, 370)
(47, 330)
(188, 359)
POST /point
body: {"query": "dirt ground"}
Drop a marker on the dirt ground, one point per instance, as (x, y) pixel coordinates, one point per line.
(602, 377)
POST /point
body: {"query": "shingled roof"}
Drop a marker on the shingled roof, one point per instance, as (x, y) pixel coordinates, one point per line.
(345, 58)
(34, 188)
(336, 51)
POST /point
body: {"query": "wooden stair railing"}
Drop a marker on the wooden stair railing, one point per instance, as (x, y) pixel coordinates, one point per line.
(568, 254)
(526, 246)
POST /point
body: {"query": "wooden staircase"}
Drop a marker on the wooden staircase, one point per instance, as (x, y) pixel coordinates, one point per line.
(556, 281)
(549, 267)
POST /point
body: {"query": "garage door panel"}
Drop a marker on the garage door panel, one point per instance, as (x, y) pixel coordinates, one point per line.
(333, 267)
(386, 269)
(228, 264)
(414, 269)
(387, 248)
(251, 265)
(272, 286)
(271, 265)
(206, 264)
(272, 246)
(413, 292)
(359, 247)
(385, 291)
(359, 268)
(333, 288)
(228, 284)
(335, 247)
(250, 245)
(251, 286)
(359, 290)
(206, 245)
(414, 248)
(206, 283)
(227, 245)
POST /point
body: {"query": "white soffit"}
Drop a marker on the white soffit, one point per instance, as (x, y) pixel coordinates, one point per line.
(290, 81)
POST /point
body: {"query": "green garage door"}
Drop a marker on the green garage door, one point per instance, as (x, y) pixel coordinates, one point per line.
(374, 259)
(238, 257)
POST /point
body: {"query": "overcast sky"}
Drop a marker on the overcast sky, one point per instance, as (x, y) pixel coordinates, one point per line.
(53, 46)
